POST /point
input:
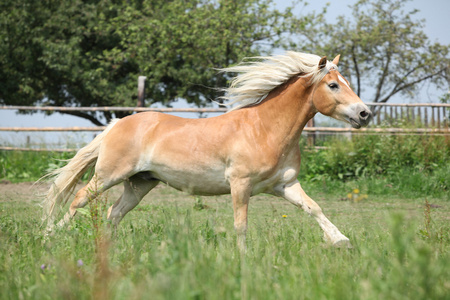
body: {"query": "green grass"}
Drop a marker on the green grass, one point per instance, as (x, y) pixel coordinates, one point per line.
(166, 249)
(174, 246)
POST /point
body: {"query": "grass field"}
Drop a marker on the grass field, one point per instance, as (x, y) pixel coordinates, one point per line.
(175, 246)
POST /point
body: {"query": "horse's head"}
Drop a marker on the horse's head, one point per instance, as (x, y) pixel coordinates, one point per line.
(333, 97)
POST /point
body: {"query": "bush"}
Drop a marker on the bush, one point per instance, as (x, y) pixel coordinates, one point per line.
(17, 166)
(370, 155)
(407, 164)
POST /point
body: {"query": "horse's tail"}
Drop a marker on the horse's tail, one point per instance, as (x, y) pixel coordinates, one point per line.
(66, 178)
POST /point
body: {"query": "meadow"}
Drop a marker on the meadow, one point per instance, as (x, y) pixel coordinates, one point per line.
(389, 195)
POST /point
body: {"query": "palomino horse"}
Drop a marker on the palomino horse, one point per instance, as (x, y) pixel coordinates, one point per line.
(254, 148)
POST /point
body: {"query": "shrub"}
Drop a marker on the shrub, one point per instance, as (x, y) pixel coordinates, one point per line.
(371, 155)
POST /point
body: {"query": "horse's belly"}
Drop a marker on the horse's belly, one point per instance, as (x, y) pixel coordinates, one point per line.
(211, 182)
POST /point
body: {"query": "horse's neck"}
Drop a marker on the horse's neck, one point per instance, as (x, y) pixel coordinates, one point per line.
(287, 109)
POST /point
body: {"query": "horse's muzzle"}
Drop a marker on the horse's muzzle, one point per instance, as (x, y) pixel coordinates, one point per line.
(361, 116)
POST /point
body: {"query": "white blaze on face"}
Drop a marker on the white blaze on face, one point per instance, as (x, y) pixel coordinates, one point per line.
(343, 80)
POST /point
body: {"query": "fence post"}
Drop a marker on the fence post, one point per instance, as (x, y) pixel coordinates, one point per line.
(445, 117)
(433, 123)
(311, 141)
(438, 118)
(418, 116)
(141, 91)
(385, 117)
(391, 115)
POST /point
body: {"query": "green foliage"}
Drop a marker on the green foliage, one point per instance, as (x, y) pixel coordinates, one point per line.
(17, 166)
(408, 164)
(379, 154)
(90, 53)
(26, 166)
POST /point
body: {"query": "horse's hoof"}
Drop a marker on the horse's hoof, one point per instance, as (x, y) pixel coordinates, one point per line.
(343, 244)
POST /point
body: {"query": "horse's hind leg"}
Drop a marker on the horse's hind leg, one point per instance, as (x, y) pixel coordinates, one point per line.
(135, 188)
(89, 192)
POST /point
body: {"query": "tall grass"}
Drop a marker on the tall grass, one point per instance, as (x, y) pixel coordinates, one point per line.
(168, 250)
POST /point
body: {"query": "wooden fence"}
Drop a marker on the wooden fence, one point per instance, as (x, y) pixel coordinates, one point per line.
(424, 119)
(420, 114)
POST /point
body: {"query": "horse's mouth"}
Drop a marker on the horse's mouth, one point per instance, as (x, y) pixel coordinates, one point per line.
(355, 124)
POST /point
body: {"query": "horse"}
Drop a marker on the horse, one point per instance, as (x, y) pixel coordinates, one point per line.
(251, 149)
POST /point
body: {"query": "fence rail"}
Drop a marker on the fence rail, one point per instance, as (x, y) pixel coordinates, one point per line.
(115, 108)
(431, 118)
(306, 129)
(428, 115)
(53, 129)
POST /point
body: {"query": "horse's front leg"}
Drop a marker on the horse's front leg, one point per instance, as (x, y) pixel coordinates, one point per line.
(240, 193)
(294, 193)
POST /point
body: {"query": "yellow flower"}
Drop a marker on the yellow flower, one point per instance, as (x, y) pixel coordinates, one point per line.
(284, 216)
(350, 196)
(356, 191)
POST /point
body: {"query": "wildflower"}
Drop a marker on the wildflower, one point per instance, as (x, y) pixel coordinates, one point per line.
(350, 196)
(356, 191)
(79, 263)
(43, 266)
(284, 216)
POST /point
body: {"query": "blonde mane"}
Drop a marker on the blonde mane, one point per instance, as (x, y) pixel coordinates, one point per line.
(258, 77)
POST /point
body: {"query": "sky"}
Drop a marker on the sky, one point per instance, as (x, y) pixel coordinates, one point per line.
(437, 24)
(435, 13)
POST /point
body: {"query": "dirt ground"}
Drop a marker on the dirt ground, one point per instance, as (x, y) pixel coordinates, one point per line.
(25, 191)
(35, 192)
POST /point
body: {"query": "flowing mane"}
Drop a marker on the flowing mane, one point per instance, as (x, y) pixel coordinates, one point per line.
(258, 76)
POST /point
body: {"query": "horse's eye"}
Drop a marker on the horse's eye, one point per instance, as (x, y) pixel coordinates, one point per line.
(333, 86)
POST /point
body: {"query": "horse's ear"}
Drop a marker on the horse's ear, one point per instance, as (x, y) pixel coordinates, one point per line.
(336, 59)
(322, 62)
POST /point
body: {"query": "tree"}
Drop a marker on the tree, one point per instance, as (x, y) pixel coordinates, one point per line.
(90, 53)
(383, 48)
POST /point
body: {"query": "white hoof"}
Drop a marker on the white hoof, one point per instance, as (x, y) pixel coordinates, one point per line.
(340, 242)
(344, 243)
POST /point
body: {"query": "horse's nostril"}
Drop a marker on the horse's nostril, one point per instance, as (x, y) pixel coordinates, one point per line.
(363, 114)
